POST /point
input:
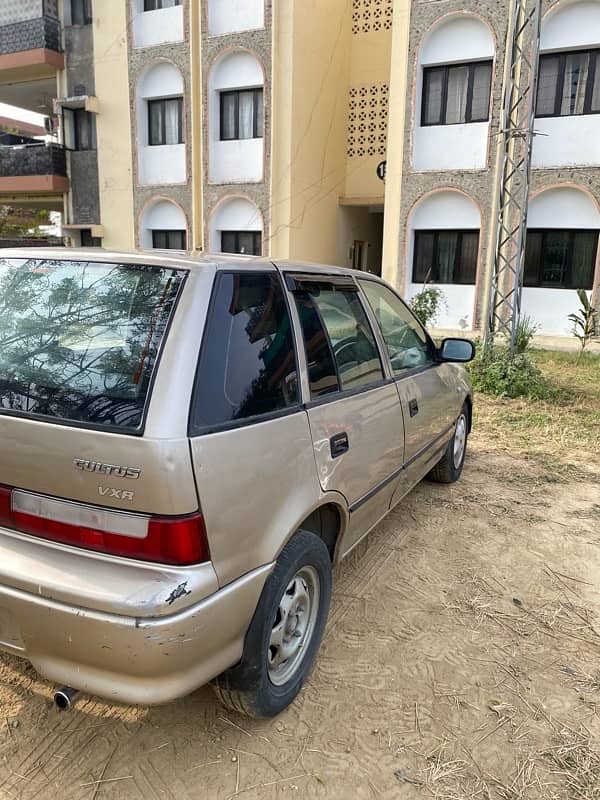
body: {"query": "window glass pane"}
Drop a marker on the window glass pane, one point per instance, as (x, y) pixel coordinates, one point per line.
(228, 242)
(433, 84)
(456, 105)
(547, 80)
(246, 115)
(173, 126)
(533, 257)
(575, 83)
(243, 242)
(228, 103)
(159, 240)
(322, 375)
(354, 348)
(260, 113)
(584, 259)
(595, 98)
(482, 81)
(248, 364)
(79, 340)
(246, 243)
(156, 109)
(407, 345)
(554, 257)
(466, 267)
(445, 257)
(423, 258)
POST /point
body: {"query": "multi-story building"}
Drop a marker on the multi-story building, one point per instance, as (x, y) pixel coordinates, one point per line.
(348, 131)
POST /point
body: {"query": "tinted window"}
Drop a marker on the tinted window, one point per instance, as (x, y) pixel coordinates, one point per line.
(79, 340)
(445, 256)
(406, 341)
(456, 94)
(560, 259)
(352, 342)
(248, 364)
(322, 373)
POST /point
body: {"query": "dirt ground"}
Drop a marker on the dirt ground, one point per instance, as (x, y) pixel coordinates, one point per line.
(461, 660)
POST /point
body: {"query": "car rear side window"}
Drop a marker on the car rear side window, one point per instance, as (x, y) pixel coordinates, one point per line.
(79, 340)
(248, 363)
(346, 356)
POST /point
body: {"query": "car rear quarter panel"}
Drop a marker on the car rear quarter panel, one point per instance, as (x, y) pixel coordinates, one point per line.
(256, 484)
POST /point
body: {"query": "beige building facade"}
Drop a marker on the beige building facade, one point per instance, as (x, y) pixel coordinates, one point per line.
(358, 132)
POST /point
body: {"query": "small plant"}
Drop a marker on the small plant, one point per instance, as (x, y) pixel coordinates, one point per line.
(503, 374)
(427, 303)
(585, 322)
(526, 330)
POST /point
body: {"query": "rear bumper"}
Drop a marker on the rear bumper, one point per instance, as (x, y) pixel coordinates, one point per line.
(144, 660)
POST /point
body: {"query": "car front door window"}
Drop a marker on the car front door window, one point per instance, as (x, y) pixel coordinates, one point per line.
(407, 344)
(348, 346)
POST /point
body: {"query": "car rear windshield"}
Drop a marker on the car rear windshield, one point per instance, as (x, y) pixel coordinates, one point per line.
(79, 340)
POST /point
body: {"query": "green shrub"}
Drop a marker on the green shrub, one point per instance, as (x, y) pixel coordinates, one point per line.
(506, 375)
(526, 330)
(427, 303)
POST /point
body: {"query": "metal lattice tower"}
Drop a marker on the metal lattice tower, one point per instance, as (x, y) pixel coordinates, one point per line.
(518, 109)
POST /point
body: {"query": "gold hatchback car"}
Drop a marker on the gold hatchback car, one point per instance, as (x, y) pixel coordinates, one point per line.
(187, 448)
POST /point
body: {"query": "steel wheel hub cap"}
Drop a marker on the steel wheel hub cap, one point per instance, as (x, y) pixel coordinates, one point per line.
(293, 625)
(460, 440)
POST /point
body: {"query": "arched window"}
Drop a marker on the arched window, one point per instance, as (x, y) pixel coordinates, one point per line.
(454, 80)
(163, 227)
(236, 227)
(236, 119)
(230, 16)
(568, 94)
(161, 125)
(561, 255)
(444, 250)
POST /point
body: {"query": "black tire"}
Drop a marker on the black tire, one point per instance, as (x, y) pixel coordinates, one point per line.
(248, 687)
(446, 470)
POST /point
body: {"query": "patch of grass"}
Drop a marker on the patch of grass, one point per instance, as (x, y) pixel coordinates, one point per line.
(561, 432)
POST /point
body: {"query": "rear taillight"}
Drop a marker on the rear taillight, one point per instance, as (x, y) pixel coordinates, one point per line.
(166, 540)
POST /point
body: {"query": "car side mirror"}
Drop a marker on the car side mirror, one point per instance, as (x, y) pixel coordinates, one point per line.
(461, 350)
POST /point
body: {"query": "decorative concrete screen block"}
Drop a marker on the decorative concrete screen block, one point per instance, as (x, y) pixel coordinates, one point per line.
(20, 10)
(371, 15)
(33, 34)
(367, 120)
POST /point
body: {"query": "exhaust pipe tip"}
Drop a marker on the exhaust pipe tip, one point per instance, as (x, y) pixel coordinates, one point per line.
(64, 698)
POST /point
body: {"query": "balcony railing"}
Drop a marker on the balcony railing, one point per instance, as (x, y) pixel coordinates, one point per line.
(19, 161)
(41, 33)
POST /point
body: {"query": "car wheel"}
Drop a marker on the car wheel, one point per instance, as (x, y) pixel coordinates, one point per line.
(285, 633)
(449, 467)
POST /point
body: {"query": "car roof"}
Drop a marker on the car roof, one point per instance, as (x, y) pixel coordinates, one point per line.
(150, 257)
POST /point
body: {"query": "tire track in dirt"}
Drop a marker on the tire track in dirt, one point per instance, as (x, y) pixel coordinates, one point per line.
(75, 749)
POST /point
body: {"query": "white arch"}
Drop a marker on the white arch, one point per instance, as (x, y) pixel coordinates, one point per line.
(560, 207)
(234, 214)
(163, 164)
(238, 160)
(563, 207)
(230, 16)
(445, 210)
(571, 26)
(160, 79)
(162, 215)
(456, 38)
